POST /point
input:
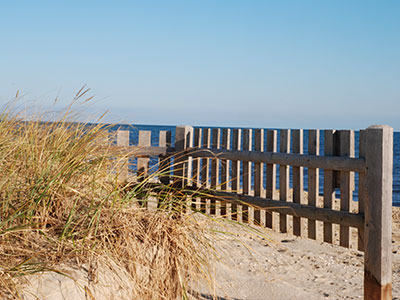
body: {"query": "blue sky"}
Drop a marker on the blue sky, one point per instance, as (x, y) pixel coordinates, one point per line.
(282, 64)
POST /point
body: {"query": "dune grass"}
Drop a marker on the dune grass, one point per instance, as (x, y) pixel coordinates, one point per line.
(61, 205)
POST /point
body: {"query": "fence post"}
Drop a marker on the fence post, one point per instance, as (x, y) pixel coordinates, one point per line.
(143, 162)
(378, 213)
(122, 167)
(182, 163)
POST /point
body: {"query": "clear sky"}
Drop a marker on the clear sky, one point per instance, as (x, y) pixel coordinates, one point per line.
(282, 64)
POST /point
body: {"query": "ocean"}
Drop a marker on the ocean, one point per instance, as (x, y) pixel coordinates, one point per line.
(155, 129)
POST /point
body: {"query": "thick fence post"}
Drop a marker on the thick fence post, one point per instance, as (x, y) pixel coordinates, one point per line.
(182, 163)
(378, 213)
(143, 162)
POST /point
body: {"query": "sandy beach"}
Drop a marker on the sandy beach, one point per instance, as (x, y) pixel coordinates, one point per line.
(250, 265)
(288, 267)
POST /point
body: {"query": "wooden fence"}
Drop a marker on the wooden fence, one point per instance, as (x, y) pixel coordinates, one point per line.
(239, 167)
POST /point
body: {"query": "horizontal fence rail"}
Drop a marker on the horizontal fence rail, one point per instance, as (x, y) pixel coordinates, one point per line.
(295, 160)
(288, 208)
(138, 151)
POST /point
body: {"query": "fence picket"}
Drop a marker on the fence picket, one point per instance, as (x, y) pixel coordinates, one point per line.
(297, 179)
(216, 144)
(226, 208)
(361, 188)
(197, 142)
(346, 178)
(313, 180)
(246, 174)
(271, 174)
(164, 160)
(225, 164)
(329, 191)
(284, 176)
(205, 169)
(143, 162)
(182, 163)
(258, 173)
(236, 145)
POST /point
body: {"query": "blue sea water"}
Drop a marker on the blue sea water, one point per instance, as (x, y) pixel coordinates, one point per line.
(155, 129)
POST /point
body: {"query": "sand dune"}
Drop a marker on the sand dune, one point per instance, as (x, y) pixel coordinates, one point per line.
(266, 265)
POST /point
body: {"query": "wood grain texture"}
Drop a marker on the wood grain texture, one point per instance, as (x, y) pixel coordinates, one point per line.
(205, 169)
(361, 187)
(226, 208)
(236, 145)
(246, 172)
(197, 204)
(298, 178)
(313, 180)
(271, 174)
(182, 163)
(296, 160)
(378, 213)
(284, 176)
(225, 164)
(329, 192)
(216, 144)
(122, 166)
(295, 209)
(215, 168)
(143, 162)
(164, 160)
(197, 142)
(258, 172)
(346, 184)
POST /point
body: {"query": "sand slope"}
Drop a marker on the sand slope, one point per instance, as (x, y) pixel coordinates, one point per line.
(268, 265)
(288, 267)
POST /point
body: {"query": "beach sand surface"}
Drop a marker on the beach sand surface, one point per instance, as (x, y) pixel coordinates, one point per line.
(249, 265)
(273, 265)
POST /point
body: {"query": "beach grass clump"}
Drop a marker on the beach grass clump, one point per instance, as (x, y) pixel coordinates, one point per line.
(60, 205)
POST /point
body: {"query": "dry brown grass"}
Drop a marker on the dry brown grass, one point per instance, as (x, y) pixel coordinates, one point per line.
(60, 205)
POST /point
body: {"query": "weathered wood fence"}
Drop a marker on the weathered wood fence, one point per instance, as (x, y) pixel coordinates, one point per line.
(241, 180)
